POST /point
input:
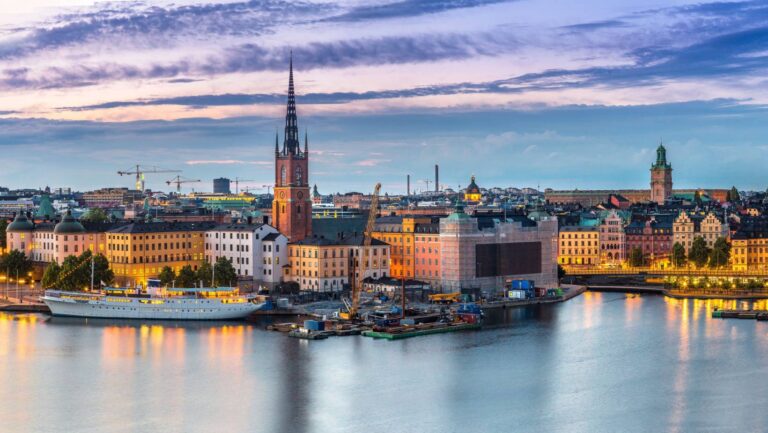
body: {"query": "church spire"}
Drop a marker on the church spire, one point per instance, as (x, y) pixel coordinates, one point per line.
(306, 143)
(277, 149)
(291, 140)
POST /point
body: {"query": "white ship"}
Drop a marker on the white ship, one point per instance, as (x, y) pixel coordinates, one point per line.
(224, 303)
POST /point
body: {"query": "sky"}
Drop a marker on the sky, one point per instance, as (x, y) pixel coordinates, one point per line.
(525, 93)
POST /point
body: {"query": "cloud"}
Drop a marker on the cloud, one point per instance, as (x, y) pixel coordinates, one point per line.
(408, 8)
(371, 162)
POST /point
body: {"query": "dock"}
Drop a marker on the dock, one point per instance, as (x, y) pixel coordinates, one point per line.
(569, 292)
(401, 332)
(740, 314)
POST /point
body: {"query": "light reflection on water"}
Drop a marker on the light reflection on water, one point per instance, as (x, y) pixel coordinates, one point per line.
(604, 362)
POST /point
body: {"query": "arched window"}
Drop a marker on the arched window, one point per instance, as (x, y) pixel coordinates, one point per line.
(283, 176)
(298, 176)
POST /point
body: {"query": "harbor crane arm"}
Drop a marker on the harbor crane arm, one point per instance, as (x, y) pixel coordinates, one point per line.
(357, 278)
(141, 170)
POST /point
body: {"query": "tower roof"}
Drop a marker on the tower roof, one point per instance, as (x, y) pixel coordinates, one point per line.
(661, 157)
(291, 143)
(68, 224)
(20, 224)
(472, 188)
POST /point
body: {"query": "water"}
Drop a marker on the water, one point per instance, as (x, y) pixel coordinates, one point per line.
(598, 363)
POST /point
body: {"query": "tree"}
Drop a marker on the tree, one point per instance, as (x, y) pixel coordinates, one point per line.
(167, 276)
(15, 263)
(733, 195)
(3, 226)
(204, 273)
(101, 270)
(678, 255)
(699, 253)
(225, 272)
(721, 253)
(186, 277)
(636, 258)
(95, 215)
(51, 275)
(75, 274)
(560, 272)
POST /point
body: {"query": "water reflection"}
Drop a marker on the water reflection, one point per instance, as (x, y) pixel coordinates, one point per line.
(601, 362)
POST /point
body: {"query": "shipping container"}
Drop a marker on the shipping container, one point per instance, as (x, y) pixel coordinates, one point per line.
(314, 325)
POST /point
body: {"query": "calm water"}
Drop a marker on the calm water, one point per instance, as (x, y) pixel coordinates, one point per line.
(599, 363)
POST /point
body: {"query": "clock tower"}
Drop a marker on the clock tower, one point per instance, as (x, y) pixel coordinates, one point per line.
(292, 204)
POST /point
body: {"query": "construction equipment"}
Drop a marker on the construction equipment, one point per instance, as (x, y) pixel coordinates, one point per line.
(178, 180)
(237, 183)
(140, 171)
(356, 276)
(445, 298)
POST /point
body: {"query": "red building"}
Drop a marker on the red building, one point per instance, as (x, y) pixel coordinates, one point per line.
(292, 205)
(653, 236)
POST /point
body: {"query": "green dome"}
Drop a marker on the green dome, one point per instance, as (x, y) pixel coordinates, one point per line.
(20, 224)
(68, 225)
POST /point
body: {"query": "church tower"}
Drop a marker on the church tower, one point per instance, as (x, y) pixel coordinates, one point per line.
(661, 177)
(292, 204)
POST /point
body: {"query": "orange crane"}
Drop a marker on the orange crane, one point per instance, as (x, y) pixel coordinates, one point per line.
(140, 171)
(356, 278)
(178, 180)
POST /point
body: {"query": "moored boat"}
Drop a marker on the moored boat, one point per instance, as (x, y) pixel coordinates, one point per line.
(223, 303)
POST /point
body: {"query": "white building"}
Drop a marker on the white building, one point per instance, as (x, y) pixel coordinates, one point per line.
(255, 250)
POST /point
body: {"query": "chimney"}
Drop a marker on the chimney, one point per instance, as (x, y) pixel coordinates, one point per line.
(407, 184)
(437, 178)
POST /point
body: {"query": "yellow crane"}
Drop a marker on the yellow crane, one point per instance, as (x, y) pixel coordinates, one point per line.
(141, 170)
(355, 277)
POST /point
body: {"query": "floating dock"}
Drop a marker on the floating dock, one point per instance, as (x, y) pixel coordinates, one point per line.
(740, 314)
(417, 331)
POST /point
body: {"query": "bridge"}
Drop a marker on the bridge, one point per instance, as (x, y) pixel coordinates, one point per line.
(652, 272)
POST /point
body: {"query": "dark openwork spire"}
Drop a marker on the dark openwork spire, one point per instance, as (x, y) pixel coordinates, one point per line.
(306, 142)
(277, 149)
(291, 143)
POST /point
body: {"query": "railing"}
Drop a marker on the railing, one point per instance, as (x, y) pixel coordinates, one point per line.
(578, 271)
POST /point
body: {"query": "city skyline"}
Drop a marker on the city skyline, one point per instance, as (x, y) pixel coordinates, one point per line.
(573, 100)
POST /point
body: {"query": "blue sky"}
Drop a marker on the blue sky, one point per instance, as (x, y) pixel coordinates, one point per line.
(519, 93)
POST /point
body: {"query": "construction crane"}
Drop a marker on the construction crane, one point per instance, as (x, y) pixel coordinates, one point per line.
(237, 183)
(140, 171)
(178, 180)
(427, 181)
(356, 278)
(268, 187)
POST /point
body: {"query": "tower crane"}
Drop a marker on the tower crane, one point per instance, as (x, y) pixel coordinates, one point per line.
(140, 171)
(268, 187)
(356, 279)
(237, 183)
(178, 180)
(427, 181)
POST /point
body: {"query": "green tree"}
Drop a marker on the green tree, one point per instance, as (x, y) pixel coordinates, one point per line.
(3, 226)
(699, 253)
(225, 272)
(51, 275)
(733, 195)
(721, 253)
(102, 273)
(95, 215)
(75, 274)
(636, 258)
(186, 277)
(167, 276)
(204, 273)
(15, 263)
(678, 255)
(560, 272)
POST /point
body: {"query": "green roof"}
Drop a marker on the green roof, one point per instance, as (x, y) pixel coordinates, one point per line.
(68, 225)
(45, 210)
(20, 224)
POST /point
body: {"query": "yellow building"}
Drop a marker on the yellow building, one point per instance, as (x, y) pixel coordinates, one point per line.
(400, 233)
(325, 265)
(749, 254)
(139, 251)
(472, 194)
(579, 246)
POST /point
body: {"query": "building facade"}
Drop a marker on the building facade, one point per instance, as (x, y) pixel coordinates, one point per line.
(486, 258)
(612, 239)
(653, 237)
(326, 265)
(689, 226)
(243, 245)
(139, 251)
(579, 246)
(292, 204)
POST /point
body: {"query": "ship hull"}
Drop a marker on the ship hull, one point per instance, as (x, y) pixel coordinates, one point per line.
(170, 309)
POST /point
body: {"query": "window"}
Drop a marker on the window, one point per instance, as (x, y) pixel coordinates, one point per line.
(283, 176)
